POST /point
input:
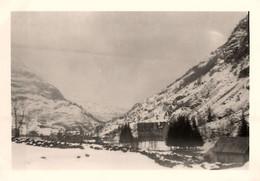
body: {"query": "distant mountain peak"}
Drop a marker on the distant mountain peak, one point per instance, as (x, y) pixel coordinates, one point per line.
(103, 112)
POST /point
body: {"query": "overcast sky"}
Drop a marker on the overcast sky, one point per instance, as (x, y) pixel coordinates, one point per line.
(116, 58)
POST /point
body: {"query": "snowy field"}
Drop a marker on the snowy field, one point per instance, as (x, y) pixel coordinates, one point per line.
(25, 157)
(39, 158)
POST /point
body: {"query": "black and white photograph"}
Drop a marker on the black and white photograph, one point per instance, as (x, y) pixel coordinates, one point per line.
(93, 90)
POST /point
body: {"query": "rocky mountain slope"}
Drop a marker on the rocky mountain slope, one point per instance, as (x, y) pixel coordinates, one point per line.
(44, 106)
(219, 85)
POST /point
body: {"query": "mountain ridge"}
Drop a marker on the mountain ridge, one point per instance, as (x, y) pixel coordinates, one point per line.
(44, 105)
(219, 84)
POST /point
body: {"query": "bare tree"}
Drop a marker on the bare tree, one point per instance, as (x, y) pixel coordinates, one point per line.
(18, 118)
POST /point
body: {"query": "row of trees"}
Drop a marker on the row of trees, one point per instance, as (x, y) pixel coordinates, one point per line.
(230, 127)
(67, 138)
(183, 132)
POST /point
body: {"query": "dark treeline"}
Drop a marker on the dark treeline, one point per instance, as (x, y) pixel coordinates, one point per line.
(67, 138)
(183, 134)
(126, 134)
(243, 130)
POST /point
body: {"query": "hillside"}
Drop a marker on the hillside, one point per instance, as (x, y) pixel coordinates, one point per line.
(102, 112)
(44, 106)
(219, 84)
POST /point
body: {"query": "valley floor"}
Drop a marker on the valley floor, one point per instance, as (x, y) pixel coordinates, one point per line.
(39, 158)
(25, 157)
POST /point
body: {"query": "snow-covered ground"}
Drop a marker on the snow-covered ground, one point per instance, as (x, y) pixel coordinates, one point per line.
(39, 158)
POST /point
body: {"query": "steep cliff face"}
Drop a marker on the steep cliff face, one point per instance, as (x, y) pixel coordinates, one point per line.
(219, 85)
(43, 105)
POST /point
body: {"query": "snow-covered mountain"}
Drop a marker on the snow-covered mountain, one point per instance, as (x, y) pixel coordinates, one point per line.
(102, 112)
(44, 106)
(219, 85)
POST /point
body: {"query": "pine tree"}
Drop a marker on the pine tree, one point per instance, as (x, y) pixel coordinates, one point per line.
(194, 125)
(126, 134)
(244, 128)
(182, 134)
(196, 137)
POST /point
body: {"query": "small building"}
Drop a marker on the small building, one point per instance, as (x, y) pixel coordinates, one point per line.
(231, 150)
(155, 131)
(44, 131)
